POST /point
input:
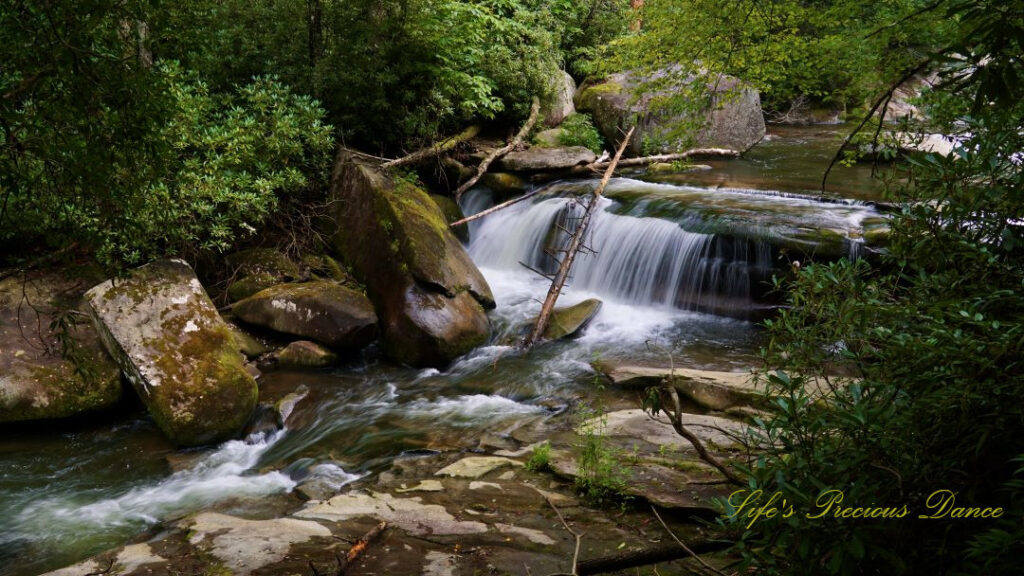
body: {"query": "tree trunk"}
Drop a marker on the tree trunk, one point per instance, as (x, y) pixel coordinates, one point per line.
(575, 242)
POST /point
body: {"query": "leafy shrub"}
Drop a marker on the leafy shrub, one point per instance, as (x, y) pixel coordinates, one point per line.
(579, 130)
(540, 459)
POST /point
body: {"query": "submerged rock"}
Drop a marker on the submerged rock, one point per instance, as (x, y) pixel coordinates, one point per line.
(180, 356)
(545, 159)
(504, 183)
(429, 295)
(734, 119)
(324, 311)
(37, 381)
(568, 321)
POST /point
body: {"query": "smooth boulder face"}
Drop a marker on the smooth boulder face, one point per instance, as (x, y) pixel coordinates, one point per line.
(542, 159)
(37, 381)
(561, 105)
(180, 356)
(323, 311)
(429, 296)
(569, 321)
(734, 120)
(305, 354)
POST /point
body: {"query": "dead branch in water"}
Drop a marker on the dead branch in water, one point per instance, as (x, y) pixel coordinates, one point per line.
(494, 208)
(575, 242)
(355, 551)
(482, 168)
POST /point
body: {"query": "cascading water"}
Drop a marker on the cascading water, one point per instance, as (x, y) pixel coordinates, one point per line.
(655, 261)
(640, 261)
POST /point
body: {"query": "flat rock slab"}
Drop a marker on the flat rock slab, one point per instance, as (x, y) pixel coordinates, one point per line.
(247, 545)
(323, 311)
(476, 466)
(709, 389)
(637, 424)
(542, 159)
(410, 514)
(176, 350)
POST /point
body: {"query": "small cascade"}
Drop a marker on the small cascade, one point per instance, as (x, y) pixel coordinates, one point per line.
(639, 261)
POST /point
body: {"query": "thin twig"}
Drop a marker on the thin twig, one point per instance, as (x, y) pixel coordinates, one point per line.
(579, 537)
(685, 547)
(482, 168)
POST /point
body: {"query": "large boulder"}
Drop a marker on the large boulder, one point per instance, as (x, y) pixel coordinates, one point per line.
(544, 159)
(429, 295)
(324, 311)
(181, 357)
(561, 105)
(39, 378)
(733, 120)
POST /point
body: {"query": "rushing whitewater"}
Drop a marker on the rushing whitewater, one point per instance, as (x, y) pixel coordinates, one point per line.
(651, 261)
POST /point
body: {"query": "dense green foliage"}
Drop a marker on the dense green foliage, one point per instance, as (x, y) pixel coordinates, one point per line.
(833, 52)
(894, 379)
(136, 129)
(579, 130)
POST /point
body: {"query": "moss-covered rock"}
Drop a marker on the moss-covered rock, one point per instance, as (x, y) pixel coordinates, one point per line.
(452, 213)
(258, 269)
(568, 321)
(504, 183)
(549, 138)
(428, 293)
(305, 354)
(733, 120)
(323, 311)
(180, 356)
(39, 379)
(247, 344)
(560, 106)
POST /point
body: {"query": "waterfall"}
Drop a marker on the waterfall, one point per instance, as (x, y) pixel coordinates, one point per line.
(640, 261)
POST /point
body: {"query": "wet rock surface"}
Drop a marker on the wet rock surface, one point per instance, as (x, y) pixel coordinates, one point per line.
(545, 159)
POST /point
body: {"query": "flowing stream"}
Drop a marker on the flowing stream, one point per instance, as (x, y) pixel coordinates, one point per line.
(667, 252)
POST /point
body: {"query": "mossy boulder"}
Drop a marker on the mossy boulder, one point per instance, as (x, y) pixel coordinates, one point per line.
(569, 321)
(733, 119)
(430, 297)
(305, 354)
(560, 106)
(39, 379)
(324, 311)
(258, 269)
(504, 183)
(452, 213)
(549, 138)
(544, 159)
(179, 354)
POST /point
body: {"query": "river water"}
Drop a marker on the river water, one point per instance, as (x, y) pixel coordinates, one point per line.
(667, 285)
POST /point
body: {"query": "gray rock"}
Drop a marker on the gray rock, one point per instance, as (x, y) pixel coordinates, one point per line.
(257, 269)
(176, 350)
(569, 321)
(734, 120)
(561, 105)
(430, 296)
(709, 389)
(324, 311)
(538, 159)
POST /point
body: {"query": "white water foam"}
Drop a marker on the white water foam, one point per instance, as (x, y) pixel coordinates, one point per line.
(469, 410)
(220, 475)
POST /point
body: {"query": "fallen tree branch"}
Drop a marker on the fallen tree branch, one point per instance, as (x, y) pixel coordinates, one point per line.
(676, 418)
(355, 551)
(435, 149)
(684, 546)
(646, 557)
(493, 209)
(647, 160)
(575, 242)
(579, 537)
(482, 168)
